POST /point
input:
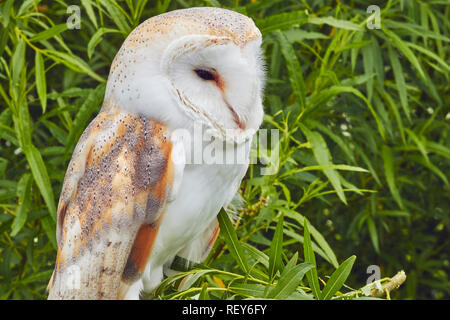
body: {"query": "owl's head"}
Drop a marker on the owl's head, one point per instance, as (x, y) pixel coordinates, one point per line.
(198, 64)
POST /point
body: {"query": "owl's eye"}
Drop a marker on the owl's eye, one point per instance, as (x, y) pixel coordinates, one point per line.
(205, 74)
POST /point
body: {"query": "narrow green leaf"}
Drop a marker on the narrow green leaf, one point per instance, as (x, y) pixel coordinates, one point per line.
(41, 83)
(369, 165)
(204, 293)
(337, 139)
(394, 213)
(192, 279)
(311, 275)
(276, 248)
(229, 235)
(3, 165)
(117, 15)
(436, 31)
(325, 95)
(420, 145)
(343, 167)
(59, 133)
(41, 276)
(341, 24)
(373, 233)
(141, 6)
(257, 254)
(289, 282)
(24, 195)
(25, 7)
(70, 93)
(49, 33)
(323, 157)
(430, 54)
(97, 38)
(355, 45)
(281, 21)
(73, 62)
(354, 54)
(369, 68)
(320, 240)
(40, 175)
(437, 148)
(17, 61)
(399, 80)
(22, 123)
(388, 160)
(338, 278)
(378, 62)
(49, 226)
(294, 69)
(4, 35)
(90, 105)
(90, 12)
(248, 289)
(291, 264)
(393, 106)
(299, 296)
(300, 238)
(417, 30)
(297, 35)
(430, 166)
(5, 12)
(402, 46)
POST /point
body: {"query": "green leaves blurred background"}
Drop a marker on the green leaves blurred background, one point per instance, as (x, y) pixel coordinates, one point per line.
(364, 148)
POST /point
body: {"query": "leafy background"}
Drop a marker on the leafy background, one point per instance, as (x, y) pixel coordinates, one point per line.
(364, 147)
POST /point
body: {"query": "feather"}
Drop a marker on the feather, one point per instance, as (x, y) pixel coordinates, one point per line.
(236, 205)
(194, 252)
(111, 206)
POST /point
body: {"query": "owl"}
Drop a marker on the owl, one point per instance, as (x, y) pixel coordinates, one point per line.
(134, 203)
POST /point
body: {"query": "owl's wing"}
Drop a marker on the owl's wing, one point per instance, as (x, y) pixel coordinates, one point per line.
(113, 199)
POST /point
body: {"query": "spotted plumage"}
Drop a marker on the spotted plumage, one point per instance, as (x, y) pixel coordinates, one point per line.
(118, 178)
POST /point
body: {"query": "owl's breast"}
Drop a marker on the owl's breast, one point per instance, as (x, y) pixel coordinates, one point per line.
(204, 190)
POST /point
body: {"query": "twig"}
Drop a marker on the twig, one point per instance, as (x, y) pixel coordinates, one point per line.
(395, 282)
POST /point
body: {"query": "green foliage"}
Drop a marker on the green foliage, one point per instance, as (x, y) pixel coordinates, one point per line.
(364, 146)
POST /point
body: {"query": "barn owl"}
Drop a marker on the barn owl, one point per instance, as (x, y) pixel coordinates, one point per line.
(132, 201)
